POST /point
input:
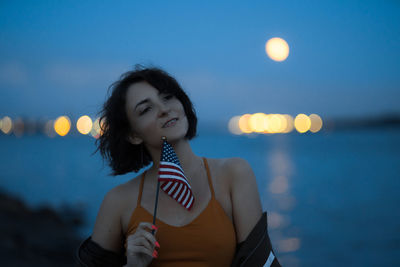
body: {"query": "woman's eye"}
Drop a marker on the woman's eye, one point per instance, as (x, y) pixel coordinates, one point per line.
(167, 97)
(144, 111)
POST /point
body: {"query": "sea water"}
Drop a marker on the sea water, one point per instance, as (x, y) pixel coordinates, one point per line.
(331, 197)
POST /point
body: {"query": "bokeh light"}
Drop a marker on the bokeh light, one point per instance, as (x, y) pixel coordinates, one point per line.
(289, 123)
(277, 49)
(84, 124)
(256, 122)
(267, 124)
(233, 125)
(273, 123)
(62, 125)
(302, 123)
(7, 125)
(316, 123)
(244, 123)
(96, 129)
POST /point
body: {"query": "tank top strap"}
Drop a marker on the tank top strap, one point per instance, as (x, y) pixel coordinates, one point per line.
(209, 177)
(140, 190)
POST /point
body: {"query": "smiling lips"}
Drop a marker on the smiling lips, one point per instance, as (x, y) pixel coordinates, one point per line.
(170, 122)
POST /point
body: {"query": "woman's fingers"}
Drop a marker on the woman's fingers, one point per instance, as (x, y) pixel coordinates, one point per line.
(142, 240)
(146, 225)
(139, 241)
(143, 232)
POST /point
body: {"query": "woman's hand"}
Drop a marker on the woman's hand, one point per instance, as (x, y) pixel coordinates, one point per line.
(140, 249)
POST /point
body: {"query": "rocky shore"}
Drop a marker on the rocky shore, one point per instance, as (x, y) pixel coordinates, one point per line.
(37, 237)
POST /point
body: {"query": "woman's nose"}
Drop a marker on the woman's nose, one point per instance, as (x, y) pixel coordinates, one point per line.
(164, 109)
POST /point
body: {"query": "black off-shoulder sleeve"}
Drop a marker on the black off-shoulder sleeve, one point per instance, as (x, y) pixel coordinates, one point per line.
(90, 254)
(256, 250)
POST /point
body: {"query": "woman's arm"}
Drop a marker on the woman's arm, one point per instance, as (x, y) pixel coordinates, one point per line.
(107, 231)
(246, 203)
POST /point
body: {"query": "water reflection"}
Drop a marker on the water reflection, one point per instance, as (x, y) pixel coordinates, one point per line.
(289, 244)
(280, 169)
(279, 185)
(285, 202)
(277, 220)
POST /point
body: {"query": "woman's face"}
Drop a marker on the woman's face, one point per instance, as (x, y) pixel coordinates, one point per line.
(150, 113)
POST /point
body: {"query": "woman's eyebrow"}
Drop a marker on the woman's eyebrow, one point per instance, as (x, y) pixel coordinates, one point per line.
(142, 102)
(147, 99)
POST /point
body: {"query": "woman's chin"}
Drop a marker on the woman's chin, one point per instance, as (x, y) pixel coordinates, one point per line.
(175, 136)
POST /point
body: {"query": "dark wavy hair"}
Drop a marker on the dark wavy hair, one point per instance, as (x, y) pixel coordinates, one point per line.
(122, 156)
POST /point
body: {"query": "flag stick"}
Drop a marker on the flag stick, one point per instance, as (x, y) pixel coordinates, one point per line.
(158, 189)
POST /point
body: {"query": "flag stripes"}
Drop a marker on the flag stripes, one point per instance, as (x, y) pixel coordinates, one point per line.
(174, 182)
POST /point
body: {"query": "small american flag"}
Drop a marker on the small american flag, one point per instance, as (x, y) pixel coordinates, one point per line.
(173, 179)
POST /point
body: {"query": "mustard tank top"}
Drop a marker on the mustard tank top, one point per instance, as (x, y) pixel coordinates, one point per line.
(209, 240)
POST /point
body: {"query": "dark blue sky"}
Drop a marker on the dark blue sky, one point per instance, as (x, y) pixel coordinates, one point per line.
(59, 57)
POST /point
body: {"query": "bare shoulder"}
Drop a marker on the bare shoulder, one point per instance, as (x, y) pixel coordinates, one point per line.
(121, 194)
(246, 203)
(236, 163)
(108, 230)
(230, 164)
(226, 169)
(229, 168)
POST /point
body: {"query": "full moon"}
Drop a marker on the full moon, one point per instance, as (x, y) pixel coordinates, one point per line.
(277, 49)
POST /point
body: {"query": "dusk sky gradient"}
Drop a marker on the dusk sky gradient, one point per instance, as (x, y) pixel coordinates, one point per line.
(59, 57)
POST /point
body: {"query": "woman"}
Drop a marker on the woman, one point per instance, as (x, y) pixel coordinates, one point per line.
(145, 105)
